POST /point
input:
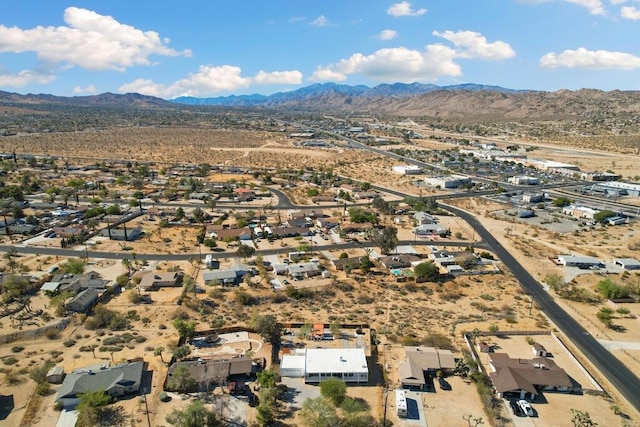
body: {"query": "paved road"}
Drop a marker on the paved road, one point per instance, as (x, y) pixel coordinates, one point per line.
(80, 250)
(621, 377)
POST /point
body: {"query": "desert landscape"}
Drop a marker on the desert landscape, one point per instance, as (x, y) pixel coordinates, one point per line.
(179, 187)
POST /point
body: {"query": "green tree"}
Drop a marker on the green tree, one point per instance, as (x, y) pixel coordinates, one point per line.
(561, 201)
(366, 264)
(603, 215)
(93, 411)
(605, 315)
(267, 326)
(194, 415)
(427, 270)
(186, 329)
(555, 282)
(158, 352)
(319, 412)
(267, 378)
(179, 213)
(245, 251)
(182, 352)
(386, 239)
(73, 266)
(181, 379)
(333, 389)
(198, 215)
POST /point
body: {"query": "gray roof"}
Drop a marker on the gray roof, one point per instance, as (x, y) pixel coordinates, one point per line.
(103, 378)
(83, 300)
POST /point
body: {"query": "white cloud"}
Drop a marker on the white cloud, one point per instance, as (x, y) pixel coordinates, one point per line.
(80, 90)
(617, 2)
(296, 19)
(90, 41)
(402, 64)
(630, 12)
(24, 78)
(595, 7)
(590, 59)
(475, 45)
(278, 77)
(387, 35)
(320, 21)
(211, 80)
(404, 9)
(395, 64)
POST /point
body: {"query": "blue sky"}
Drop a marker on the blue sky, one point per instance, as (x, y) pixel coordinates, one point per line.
(209, 48)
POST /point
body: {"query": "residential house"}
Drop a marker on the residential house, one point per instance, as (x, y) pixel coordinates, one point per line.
(83, 301)
(526, 378)
(76, 232)
(243, 233)
(230, 276)
(117, 380)
(424, 218)
(207, 372)
(154, 280)
(303, 270)
(421, 361)
(627, 263)
(424, 231)
(121, 233)
(326, 223)
(319, 364)
(392, 262)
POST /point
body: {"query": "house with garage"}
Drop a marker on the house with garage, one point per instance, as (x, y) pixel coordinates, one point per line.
(527, 378)
(424, 231)
(393, 262)
(123, 234)
(422, 362)
(117, 380)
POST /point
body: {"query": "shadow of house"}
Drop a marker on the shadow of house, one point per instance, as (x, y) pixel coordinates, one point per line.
(6, 406)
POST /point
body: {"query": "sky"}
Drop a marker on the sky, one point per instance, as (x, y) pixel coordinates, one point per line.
(210, 48)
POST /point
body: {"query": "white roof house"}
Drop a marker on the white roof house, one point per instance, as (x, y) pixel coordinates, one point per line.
(292, 366)
(578, 261)
(627, 263)
(348, 364)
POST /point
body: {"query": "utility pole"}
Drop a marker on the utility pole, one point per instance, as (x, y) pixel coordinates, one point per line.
(144, 394)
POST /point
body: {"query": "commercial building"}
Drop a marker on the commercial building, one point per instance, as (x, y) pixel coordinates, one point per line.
(448, 181)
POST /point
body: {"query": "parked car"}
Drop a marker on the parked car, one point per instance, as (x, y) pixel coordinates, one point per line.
(517, 410)
(526, 407)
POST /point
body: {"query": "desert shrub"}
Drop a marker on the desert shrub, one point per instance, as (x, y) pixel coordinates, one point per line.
(43, 389)
(110, 348)
(17, 349)
(10, 361)
(51, 333)
(487, 297)
(530, 340)
(69, 343)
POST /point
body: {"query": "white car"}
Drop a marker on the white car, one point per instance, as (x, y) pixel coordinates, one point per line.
(526, 407)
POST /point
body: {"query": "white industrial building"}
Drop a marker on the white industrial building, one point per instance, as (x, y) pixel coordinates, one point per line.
(407, 170)
(448, 181)
(523, 180)
(319, 364)
(579, 261)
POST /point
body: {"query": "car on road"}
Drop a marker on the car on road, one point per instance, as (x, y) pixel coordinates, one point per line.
(526, 407)
(517, 410)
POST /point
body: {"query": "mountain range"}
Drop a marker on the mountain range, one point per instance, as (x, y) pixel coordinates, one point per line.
(466, 101)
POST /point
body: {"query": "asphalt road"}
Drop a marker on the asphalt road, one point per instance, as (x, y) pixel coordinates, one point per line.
(621, 377)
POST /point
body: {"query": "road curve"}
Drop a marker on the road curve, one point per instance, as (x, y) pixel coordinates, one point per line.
(621, 377)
